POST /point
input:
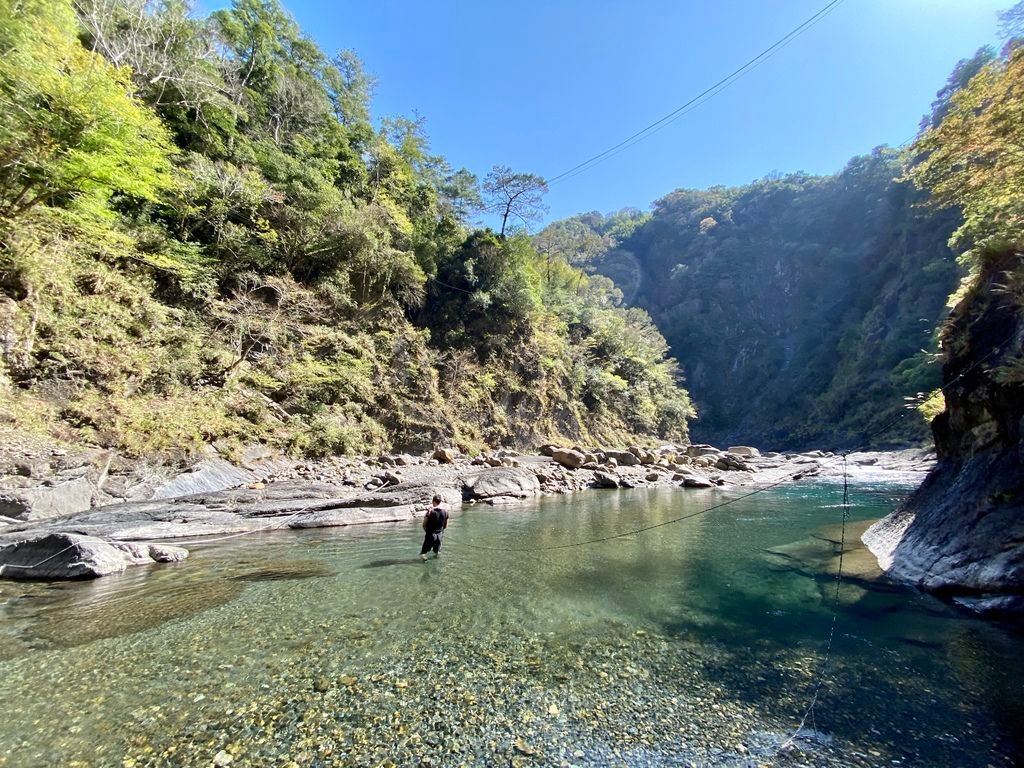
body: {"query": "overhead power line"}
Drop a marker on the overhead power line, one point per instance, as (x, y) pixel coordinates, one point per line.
(700, 98)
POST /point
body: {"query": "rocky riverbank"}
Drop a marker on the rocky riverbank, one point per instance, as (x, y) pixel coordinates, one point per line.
(81, 514)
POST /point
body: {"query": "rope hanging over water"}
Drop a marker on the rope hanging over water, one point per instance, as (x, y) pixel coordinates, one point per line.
(809, 712)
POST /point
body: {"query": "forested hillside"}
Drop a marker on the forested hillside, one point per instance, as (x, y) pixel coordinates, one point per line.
(204, 236)
(804, 307)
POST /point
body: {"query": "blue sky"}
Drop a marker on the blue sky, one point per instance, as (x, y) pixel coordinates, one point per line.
(540, 86)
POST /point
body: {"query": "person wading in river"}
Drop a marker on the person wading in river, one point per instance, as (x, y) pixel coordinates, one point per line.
(434, 523)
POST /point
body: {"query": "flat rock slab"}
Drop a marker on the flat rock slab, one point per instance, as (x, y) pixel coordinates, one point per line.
(413, 492)
(41, 502)
(209, 475)
(329, 518)
(203, 514)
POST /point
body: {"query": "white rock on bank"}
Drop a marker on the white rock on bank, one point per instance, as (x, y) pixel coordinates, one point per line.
(744, 450)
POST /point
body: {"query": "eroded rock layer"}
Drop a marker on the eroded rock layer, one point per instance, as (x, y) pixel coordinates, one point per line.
(961, 534)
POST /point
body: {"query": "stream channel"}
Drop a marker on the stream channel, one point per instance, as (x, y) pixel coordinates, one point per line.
(696, 643)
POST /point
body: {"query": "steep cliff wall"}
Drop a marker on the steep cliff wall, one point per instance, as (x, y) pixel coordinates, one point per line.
(961, 535)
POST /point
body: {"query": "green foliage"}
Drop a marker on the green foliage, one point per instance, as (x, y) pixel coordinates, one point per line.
(971, 159)
(70, 131)
(799, 304)
(517, 198)
(204, 238)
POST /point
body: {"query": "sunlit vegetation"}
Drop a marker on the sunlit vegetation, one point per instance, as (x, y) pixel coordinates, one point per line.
(205, 236)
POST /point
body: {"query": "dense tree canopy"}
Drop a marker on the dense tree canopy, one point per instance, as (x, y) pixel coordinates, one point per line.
(803, 307)
(205, 234)
(972, 157)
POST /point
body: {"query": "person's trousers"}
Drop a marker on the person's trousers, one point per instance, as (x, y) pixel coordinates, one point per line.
(431, 542)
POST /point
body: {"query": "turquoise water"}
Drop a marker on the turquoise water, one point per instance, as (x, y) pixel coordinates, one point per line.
(698, 643)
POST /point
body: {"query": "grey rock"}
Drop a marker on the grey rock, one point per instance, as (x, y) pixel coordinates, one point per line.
(342, 516)
(207, 475)
(40, 502)
(605, 480)
(446, 455)
(164, 553)
(513, 482)
(623, 458)
(697, 481)
(415, 493)
(952, 539)
(567, 457)
(744, 450)
(644, 456)
(44, 555)
(218, 512)
(698, 450)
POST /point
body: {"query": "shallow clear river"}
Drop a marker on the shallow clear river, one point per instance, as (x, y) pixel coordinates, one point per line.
(697, 643)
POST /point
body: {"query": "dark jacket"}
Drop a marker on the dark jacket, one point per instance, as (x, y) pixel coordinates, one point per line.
(436, 520)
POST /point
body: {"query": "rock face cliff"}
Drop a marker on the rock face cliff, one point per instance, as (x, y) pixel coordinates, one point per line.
(961, 535)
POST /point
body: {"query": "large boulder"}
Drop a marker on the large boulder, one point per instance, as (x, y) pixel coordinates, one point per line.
(53, 499)
(605, 480)
(623, 458)
(744, 450)
(730, 461)
(643, 455)
(567, 457)
(497, 482)
(446, 455)
(697, 481)
(45, 556)
(208, 475)
(696, 451)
